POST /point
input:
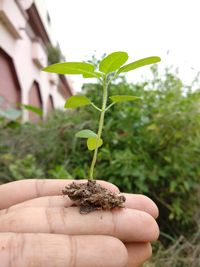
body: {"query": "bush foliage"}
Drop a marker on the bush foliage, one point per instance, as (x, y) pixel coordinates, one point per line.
(151, 146)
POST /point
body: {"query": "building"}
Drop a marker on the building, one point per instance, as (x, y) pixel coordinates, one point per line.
(25, 33)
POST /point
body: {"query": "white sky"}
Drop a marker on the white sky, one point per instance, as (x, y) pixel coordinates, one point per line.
(140, 27)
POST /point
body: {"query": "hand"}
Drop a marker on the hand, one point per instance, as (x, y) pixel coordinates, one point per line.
(38, 227)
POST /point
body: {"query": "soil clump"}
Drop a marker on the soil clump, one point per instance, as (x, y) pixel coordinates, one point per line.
(92, 196)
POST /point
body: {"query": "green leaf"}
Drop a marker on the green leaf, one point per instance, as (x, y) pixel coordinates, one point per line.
(11, 114)
(94, 74)
(34, 109)
(113, 61)
(138, 64)
(86, 69)
(121, 98)
(86, 134)
(92, 143)
(77, 101)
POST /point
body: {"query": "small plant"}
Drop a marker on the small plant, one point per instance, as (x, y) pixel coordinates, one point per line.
(108, 70)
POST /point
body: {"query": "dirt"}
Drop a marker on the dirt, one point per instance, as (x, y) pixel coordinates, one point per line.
(92, 196)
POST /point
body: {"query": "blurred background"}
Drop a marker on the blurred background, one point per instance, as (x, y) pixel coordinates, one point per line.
(150, 146)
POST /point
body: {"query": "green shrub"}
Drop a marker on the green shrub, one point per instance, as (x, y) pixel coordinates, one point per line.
(25, 168)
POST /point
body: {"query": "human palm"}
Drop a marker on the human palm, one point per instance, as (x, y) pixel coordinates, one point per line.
(39, 227)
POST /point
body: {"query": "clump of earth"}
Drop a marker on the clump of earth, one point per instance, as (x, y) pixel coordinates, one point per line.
(92, 196)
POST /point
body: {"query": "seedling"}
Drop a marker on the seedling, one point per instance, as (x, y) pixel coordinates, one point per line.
(108, 70)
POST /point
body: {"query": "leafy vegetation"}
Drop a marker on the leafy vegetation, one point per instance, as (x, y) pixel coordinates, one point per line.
(54, 54)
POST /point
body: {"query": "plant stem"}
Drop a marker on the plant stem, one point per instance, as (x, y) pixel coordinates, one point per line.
(101, 121)
(110, 105)
(95, 106)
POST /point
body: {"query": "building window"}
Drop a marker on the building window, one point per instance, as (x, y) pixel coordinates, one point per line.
(50, 104)
(35, 100)
(10, 91)
(48, 19)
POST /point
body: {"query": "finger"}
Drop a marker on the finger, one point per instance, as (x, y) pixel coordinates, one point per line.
(133, 201)
(19, 191)
(126, 224)
(138, 253)
(22, 250)
(48, 201)
(141, 202)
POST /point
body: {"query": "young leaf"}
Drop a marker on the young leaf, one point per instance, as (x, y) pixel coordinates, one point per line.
(34, 109)
(77, 101)
(92, 143)
(86, 134)
(121, 98)
(86, 69)
(138, 64)
(113, 61)
(94, 74)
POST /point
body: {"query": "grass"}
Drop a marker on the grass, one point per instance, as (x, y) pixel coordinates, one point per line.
(184, 252)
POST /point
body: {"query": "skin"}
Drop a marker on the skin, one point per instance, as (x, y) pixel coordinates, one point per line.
(39, 228)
